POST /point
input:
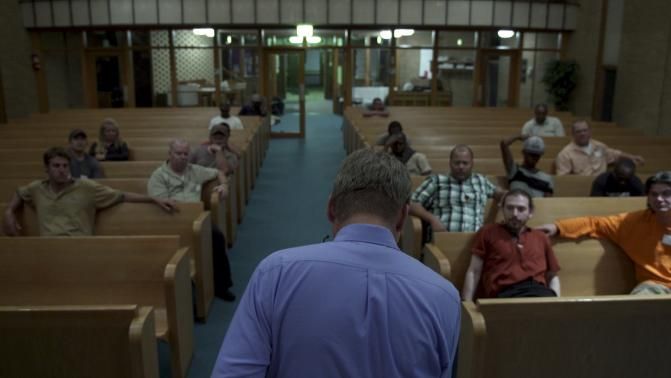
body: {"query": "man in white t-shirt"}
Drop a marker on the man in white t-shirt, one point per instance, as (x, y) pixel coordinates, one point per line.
(232, 121)
(543, 125)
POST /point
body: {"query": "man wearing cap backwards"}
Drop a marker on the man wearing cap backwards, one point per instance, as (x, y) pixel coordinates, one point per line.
(225, 116)
(254, 107)
(509, 259)
(82, 165)
(218, 152)
(586, 156)
(352, 307)
(644, 235)
(526, 176)
(542, 124)
(179, 180)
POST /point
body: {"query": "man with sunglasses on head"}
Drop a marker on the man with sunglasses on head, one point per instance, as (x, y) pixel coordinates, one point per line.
(644, 235)
(526, 176)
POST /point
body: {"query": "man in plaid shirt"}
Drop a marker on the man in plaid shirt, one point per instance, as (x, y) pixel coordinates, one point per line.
(454, 202)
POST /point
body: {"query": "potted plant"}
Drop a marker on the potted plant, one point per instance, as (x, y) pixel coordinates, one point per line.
(560, 80)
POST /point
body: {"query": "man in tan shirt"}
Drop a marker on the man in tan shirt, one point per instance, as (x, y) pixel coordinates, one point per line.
(586, 156)
(67, 206)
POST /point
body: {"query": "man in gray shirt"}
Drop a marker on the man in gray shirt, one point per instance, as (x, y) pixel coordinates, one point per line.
(82, 165)
(218, 153)
(542, 124)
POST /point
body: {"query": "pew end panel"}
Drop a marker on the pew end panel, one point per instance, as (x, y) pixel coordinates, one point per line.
(472, 342)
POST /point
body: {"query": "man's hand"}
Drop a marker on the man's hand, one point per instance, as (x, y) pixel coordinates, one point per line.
(222, 190)
(168, 205)
(638, 160)
(213, 148)
(11, 225)
(550, 229)
(438, 226)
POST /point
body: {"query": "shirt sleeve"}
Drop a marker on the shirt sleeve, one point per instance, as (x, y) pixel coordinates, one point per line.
(611, 154)
(247, 347)
(157, 187)
(550, 258)
(479, 243)
(425, 192)
(26, 192)
(526, 129)
(106, 196)
(595, 227)
(599, 187)
(563, 164)
(204, 174)
(559, 128)
(489, 187)
(423, 163)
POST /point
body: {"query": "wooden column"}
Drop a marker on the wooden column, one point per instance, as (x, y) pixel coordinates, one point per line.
(40, 77)
(217, 70)
(434, 71)
(3, 109)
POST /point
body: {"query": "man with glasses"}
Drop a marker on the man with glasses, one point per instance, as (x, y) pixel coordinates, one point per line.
(644, 235)
(526, 176)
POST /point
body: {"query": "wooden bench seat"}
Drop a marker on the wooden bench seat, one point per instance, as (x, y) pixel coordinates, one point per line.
(191, 223)
(49, 341)
(147, 271)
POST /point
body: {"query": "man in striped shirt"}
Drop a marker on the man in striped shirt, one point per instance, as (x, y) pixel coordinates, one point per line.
(454, 202)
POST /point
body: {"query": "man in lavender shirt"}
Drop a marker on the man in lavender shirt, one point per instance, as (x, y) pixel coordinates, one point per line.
(354, 307)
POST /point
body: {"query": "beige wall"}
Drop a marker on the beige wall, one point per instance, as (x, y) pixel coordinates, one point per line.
(643, 88)
(583, 46)
(17, 74)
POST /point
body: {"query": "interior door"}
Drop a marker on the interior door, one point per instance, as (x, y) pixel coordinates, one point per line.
(284, 90)
(107, 80)
(497, 82)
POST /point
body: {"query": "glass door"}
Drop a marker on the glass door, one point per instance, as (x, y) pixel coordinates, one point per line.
(498, 79)
(284, 89)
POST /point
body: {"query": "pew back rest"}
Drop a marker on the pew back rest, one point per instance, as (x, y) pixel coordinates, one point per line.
(588, 266)
(78, 341)
(610, 336)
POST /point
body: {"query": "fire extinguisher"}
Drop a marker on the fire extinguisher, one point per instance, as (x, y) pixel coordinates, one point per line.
(35, 59)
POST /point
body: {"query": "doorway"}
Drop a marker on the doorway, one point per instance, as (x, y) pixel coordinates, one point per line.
(284, 88)
(107, 80)
(497, 78)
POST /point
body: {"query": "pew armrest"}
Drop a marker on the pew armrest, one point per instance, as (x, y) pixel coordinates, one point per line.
(436, 260)
(144, 351)
(179, 314)
(472, 343)
(411, 237)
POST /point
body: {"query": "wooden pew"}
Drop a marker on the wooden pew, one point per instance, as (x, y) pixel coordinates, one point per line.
(78, 341)
(191, 223)
(610, 336)
(147, 271)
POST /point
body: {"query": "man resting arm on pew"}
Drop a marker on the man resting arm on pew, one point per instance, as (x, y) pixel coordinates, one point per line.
(179, 180)
(454, 202)
(644, 235)
(67, 206)
(513, 260)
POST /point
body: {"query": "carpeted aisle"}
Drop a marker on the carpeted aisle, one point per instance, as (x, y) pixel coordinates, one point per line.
(287, 208)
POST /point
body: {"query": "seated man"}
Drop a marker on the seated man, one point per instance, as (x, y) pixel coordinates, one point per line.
(376, 109)
(542, 124)
(393, 128)
(415, 162)
(218, 153)
(82, 165)
(513, 260)
(644, 235)
(526, 176)
(621, 182)
(67, 206)
(454, 202)
(179, 180)
(225, 116)
(586, 156)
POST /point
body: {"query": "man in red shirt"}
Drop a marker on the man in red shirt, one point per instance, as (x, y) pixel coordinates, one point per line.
(511, 260)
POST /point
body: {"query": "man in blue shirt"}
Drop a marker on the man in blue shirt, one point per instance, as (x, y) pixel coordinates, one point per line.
(354, 307)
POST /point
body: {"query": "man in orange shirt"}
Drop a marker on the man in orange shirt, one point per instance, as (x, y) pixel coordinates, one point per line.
(509, 259)
(644, 235)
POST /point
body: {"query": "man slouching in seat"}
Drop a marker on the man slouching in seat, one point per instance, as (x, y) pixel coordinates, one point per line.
(179, 180)
(454, 202)
(644, 235)
(66, 206)
(511, 260)
(353, 307)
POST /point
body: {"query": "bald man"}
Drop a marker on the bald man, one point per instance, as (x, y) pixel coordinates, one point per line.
(454, 202)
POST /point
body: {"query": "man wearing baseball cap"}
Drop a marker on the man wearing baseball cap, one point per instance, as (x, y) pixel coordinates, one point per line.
(82, 165)
(526, 176)
(218, 152)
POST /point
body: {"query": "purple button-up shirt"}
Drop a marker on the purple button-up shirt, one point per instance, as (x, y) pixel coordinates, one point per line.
(354, 307)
